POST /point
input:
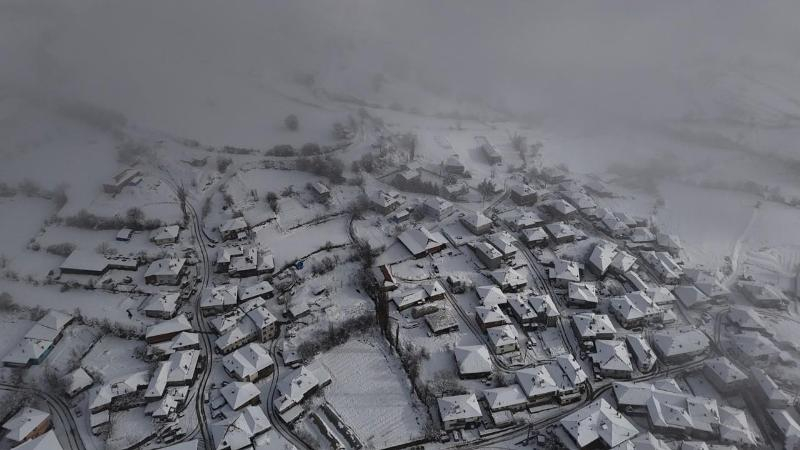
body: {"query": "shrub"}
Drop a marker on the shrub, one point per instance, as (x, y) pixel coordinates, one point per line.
(272, 201)
(282, 150)
(310, 149)
(223, 163)
(62, 249)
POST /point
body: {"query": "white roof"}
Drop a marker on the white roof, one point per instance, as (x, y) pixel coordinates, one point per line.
(165, 302)
(222, 295)
(472, 359)
(642, 234)
(583, 292)
(165, 267)
(599, 421)
(565, 270)
(603, 255)
(491, 295)
(504, 242)
(508, 276)
(237, 432)
(21, 424)
(724, 369)
(589, 325)
(505, 397)
(477, 219)
(634, 305)
(612, 355)
(734, 427)
(233, 225)
(176, 325)
(239, 393)
(560, 230)
(459, 407)
(690, 296)
(641, 349)
(47, 441)
(769, 388)
(491, 314)
(676, 343)
(77, 380)
(248, 360)
(165, 233)
(623, 261)
(296, 386)
(259, 289)
(502, 335)
(419, 240)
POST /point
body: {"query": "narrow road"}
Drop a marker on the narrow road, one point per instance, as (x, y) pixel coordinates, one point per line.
(272, 412)
(59, 409)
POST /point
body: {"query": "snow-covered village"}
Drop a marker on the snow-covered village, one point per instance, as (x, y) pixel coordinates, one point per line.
(350, 258)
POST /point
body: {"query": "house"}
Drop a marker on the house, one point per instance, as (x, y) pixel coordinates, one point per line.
(218, 299)
(234, 229)
(563, 379)
(385, 202)
(165, 271)
(662, 264)
(47, 441)
(165, 235)
(476, 222)
(437, 207)
(582, 295)
(530, 310)
(453, 165)
(459, 282)
(751, 348)
(564, 272)
(674, 346)
(489, 150)
(77, 381)
(767, 390)
(590, 327)
(321, 191)
(491, 257)
(162, 305)
(615, 227)
(560, 208)
(423, 293)
(302, 382)
(641, 235)
(786, 427)
(224, 256)
(421, 242)
(520, 220)
(491, 295)
(668, 408)
(473, 361)
(266, 323)
(128, 177)
(580, 200)
(40, 339)
(763, 295)
(635, 309)
(560, 232)
(124, 235)
(611, 359)
(661, 296)
(248, 363)
(533, 237)
(641, 351)
(239, 431)
(490, 316)
(441, 322)
(406, 177)
(504, 242)
(118, 390)
(746, 319)
(523, 194)
(505, 398)
(504, 339)
(602, 257)
(691, 297)
(712, 288)
(167, 329)
(28, 423)
(240, 394)
(724, 375)
(622, 262)
(734, 428)
(254, 260)
(261, 289)
(597, 425)
(83, 262)
(508, 279)
(460, 411)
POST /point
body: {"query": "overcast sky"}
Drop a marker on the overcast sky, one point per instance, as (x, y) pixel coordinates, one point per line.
(587, 61)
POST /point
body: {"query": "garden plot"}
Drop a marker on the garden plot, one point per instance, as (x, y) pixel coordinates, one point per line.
(291, 245)
(371, 393)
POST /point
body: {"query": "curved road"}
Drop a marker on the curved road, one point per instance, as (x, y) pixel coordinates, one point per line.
(60, 411)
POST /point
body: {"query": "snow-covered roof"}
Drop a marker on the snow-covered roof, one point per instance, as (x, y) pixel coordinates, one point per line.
(634, 306)
(643, 441)
(641, 349)
(223, 295)
(746, 318)
(23, 423)
(771, 391)
(560, 230)
(77, 380)
(612, 355)
(565, 270)
(237, 432)
(491, 314)
(262, 288)
(420, 240)
(583, 292)
(459, 407)
(661, 295)
(502, 335)
(119, 386)
(504, 242)
(47, 441)
(505, 397)
(598, 421)
(734, 428)
(162, 302)
(176, 325)
(472, 359)
(668, 407)
(623, 261)
(168, 233)
(672, 343)
(726, 371)
(642, 234)
(508, 276)
(233, 225)
(239, 393)
(165, 267)
(669, 241)
(589, 325)
(491, 295)
(690, 296)
(247, 361)
(477, 219)
(603, 255)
